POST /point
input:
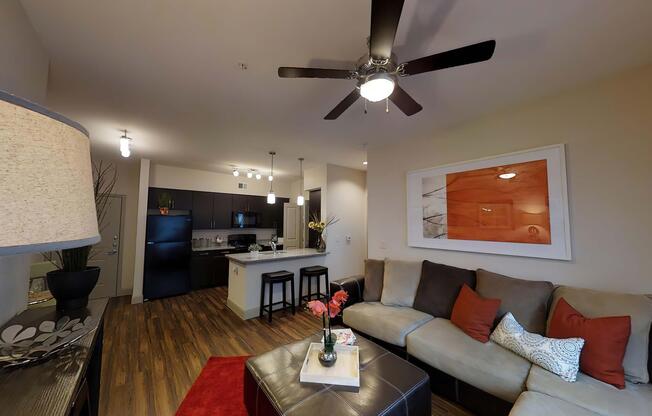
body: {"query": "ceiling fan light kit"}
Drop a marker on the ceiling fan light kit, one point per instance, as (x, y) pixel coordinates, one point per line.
(377, 87)
(377, 73)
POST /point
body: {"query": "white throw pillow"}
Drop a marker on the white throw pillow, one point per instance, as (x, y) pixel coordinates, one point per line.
(400, 282)
(560, 356)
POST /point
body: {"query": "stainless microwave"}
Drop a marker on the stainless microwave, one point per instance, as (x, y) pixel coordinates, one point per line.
(245, 219)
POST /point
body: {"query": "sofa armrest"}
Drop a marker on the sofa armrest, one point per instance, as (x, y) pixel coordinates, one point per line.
(353, 285)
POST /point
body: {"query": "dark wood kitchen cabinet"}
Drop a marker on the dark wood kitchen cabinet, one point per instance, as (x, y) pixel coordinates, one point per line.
(209, 268)
(202, 210)
(211, 211)
(179, 199)
(222, 207)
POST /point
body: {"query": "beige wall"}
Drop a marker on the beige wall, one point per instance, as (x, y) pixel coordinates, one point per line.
(23, 72)
(25, 64)
(607, 127)
(164, 176)
(347, 239)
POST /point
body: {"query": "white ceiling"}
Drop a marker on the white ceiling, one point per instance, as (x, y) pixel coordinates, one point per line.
(167, 70)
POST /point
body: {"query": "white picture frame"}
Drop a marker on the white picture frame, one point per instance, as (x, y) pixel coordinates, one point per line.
(560, 235)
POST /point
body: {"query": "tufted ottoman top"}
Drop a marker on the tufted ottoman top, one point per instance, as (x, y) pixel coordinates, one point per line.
(389, 385)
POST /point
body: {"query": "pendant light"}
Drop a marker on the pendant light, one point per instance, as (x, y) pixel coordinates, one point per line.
(300, 199)
(271, 197)
(125, 144)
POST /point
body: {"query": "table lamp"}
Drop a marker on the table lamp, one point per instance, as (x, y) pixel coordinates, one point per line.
(46, 182)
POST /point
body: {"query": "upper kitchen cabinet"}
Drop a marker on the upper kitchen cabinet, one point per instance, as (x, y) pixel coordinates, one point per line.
(179, 199)
(222, 207)
(202, 210)
(240, 203)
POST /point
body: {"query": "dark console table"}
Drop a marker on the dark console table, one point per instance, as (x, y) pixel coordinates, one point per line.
(67, 384)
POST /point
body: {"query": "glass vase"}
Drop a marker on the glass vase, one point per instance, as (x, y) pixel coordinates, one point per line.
(328, 356)
(321, 244)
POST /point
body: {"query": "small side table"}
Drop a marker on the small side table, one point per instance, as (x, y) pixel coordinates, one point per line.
(67, 384)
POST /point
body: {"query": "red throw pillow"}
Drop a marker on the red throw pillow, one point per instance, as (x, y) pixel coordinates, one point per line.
(605, 341)
(474, 314)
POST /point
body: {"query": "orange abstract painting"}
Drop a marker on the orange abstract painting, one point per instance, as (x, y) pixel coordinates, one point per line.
(506, 203)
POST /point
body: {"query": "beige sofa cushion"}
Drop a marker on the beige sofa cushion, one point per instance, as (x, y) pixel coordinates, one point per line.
(401, 282)
(592, 394)
(536, 404)
(594, 304)
(388, 323)
(487, 366)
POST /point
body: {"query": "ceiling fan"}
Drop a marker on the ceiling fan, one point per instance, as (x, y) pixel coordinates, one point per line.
(377, 72)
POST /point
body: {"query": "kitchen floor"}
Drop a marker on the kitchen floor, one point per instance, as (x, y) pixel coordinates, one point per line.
(154, 351)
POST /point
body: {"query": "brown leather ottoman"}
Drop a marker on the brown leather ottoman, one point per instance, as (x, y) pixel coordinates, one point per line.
(389, 385)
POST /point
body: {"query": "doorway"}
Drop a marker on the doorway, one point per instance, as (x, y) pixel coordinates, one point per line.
(107, 253)
(314, 210)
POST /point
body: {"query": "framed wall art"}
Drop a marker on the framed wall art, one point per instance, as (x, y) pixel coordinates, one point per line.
(513, 204)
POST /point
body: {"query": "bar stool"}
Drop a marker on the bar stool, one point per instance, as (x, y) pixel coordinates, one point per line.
(310, 272)
(281, 277)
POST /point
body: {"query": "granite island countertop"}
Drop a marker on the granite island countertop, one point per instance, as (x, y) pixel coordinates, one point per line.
(269, 256)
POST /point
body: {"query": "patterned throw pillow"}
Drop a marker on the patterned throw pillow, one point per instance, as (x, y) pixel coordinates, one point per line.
(560, 356)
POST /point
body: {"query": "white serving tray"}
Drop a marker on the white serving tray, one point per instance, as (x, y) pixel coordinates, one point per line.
(345, 371)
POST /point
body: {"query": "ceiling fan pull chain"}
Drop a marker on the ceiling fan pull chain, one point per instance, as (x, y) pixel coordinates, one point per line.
(365, 106)
(387, 105)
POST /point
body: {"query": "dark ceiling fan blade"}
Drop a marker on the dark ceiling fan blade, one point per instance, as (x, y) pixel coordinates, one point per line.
(462, 56)
(293, 72)
(403, 101)
(343, 105)
(385, 15)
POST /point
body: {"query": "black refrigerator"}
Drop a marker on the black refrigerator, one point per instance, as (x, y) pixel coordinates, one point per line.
(167, 256)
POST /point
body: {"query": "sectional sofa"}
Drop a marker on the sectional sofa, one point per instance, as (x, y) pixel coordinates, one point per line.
(406, 307)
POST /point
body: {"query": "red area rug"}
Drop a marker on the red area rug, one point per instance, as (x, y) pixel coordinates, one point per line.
(218, 391)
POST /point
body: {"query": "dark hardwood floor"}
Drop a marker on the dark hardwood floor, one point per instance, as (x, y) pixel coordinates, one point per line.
(154, 351)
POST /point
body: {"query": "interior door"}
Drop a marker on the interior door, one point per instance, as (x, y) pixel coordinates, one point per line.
(106, 254)
(291, 226)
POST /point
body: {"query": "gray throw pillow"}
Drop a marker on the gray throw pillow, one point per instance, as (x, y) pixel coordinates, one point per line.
(439, 286)
(374, 271)
(400, 282)
(527, 300)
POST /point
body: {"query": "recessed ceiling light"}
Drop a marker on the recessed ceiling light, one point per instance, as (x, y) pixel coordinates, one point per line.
(508, 175)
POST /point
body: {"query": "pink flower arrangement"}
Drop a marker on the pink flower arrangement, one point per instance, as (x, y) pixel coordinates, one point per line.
(330, 309)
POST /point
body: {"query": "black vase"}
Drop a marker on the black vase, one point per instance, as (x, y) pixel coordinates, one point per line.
(71, 289)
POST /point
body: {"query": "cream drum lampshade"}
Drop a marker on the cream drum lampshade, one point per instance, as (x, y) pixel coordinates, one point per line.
(46, 183)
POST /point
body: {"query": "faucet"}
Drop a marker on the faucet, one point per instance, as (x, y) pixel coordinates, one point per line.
(273, 244)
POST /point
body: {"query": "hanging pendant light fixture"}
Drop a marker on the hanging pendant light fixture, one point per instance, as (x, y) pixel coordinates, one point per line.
(271, 197)
(300, 199)
(125, 145)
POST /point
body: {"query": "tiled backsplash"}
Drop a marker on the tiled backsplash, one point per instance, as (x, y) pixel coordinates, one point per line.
(262, 234)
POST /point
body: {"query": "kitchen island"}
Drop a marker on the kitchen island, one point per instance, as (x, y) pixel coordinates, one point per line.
(245, 270)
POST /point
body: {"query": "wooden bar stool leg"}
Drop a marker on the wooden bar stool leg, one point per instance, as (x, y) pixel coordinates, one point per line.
(309, 287)
(328, 286)
(300, 288)
(319, 296)
(284, 297)
(292, 293)
(262, 297)
(271, 292)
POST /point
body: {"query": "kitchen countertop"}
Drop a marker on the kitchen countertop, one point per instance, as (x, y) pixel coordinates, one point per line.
(213, 247)
(269, 256)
